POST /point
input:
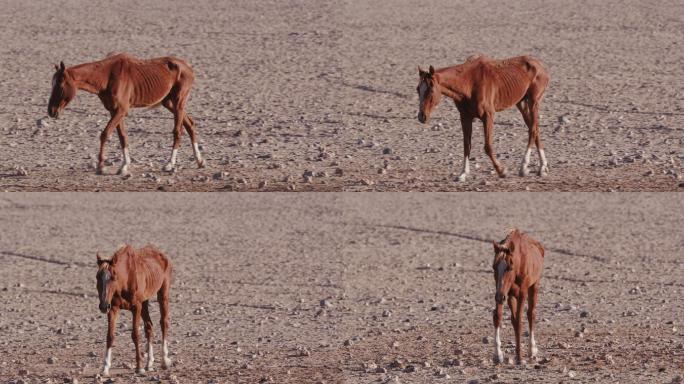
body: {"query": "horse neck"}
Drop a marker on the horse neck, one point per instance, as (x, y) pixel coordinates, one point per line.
(455, 84)
(89, 77)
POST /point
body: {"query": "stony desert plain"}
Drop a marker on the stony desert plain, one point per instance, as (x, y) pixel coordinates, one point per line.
(346, 288)
(321, 96)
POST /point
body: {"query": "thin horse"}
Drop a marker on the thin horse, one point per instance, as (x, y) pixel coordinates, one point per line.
(480, 87)
(123, 82)
(128, 281)
(518, 263)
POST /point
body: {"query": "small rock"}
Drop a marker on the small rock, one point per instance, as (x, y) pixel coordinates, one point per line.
(325, 303)
(486, 340)
(584, 313)
(387, 151)
(20, 171)
(51, 360)
(410, 369)
(42, 123)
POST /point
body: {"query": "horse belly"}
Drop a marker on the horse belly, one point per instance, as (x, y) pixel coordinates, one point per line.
(151, 97)
(151, 86)
(509, 98)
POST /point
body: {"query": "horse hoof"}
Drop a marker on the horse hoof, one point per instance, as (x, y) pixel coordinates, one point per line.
(498, 359)
(105, 372)
(544, 171)
(168, 167)
(524, 172)
(502, 174)
(140, 371)
(461, 178)
(166, 364)
(201, 164)
(123, 171)
(99, 171)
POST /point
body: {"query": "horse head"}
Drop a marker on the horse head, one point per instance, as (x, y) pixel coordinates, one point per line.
(504, 269)
(429, 93)
(106, 282)
(63, 90)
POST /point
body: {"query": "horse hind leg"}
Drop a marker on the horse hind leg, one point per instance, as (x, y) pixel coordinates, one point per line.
(123, 139)
(190, 127)
(149, 335)
(523, 107)
(163, 299)
(536, 95)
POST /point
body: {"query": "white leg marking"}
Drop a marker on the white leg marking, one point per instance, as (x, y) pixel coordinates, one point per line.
(533, 346)
(498, 355)
(123, 171)
(166, 362)
(172, 163)
(107, 362)
(150, 356)
(526, 161)
(544, 166)
(198, 155)
(466, 170)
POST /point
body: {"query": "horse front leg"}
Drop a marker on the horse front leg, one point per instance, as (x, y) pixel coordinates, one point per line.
(149, 335)
(163, 299)
(136, 338)
(467, 127)
(488, 120)
(117, 117)
(111, 333)
(498, 315)
(518, 326)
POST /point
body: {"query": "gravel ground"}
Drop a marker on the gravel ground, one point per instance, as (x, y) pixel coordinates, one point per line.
(345, 288)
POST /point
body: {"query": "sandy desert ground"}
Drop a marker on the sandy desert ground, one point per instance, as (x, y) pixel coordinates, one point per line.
(311, 95)
(331, 288)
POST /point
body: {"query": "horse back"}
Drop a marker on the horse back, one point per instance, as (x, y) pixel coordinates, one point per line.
(153, 269)
(505, 82)
(149, 81)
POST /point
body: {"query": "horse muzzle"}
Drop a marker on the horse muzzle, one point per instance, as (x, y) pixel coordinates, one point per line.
(105, 307)
(499, 298)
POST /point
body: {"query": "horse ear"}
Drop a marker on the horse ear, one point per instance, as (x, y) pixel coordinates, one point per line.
(61, 66)
(98, 256)
(432, 70)
(56, 67)
(496, 246)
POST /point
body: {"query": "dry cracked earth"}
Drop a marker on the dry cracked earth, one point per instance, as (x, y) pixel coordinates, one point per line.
(320, 96)
(346, 288)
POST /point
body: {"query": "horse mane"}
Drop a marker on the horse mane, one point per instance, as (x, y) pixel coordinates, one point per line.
(513, 232)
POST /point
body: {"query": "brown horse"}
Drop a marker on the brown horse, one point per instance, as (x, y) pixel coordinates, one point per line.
(480, 87)
(123, 82)
(128, 281)
(518, 263)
